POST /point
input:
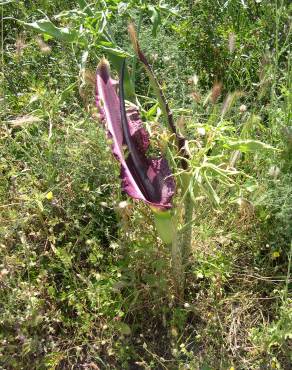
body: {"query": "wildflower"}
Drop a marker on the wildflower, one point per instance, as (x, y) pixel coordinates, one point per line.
(123, 204)
(174, 332)
(49, 195)
(4, 272)
(276, 254)
(201, 131)
(154, 57)
(274, 171)
(242, 108)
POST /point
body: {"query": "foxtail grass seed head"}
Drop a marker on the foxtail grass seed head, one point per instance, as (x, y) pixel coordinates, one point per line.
(196, 96)
(23, 121)
(181, 124)
(227, 104)
(216, 92)
(133, 36)
(231, 42)
(44, 47)
(230, 101)
(89, 77)
(193, 80)
(19, 46)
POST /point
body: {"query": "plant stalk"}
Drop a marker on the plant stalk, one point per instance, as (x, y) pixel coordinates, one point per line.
(134, 66)
(177, 265)
(186, 244)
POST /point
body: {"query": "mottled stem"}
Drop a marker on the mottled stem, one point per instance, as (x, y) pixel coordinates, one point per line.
(187, 233)
(177, 266)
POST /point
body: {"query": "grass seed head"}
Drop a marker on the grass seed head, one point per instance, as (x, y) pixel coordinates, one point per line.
(216, 92)
(44, 47)
(19, 45)
(231, 42)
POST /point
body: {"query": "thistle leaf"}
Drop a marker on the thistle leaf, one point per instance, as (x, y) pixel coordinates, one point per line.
(247, 146)
(45, 26)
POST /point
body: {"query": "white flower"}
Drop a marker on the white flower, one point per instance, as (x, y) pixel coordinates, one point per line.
(123, 204)
(274, 171)
(4, 272)
(201, 131)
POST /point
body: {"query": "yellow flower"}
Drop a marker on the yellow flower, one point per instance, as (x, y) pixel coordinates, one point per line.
(276, 254)
(50, 195)
(232, 368)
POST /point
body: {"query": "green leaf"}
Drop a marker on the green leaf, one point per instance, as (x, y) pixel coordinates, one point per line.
(211, 193)
(247, 146)
(45, 26)
(168, 9)
(155, 19)
(117, 61)
(113, 50)
(85, 7)
(123, 328)
(150, 114)
(102, 23)
(3, 2)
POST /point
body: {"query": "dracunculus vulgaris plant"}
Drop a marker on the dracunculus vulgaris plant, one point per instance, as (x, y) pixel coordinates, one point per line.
(143, 178)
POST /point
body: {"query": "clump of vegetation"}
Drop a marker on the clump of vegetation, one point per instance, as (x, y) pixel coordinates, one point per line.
(88, 278)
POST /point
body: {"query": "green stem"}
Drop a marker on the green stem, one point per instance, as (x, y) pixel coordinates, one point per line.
(166, 226)
(177, 266)
(187, 234)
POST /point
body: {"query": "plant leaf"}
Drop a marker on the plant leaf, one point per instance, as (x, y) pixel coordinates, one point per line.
(155, 19)
(247, 146)
(85, 7)
(45, 26)
(110, 48)
(210, 190)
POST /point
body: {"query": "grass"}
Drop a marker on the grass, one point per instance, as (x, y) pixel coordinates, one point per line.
(85, 282)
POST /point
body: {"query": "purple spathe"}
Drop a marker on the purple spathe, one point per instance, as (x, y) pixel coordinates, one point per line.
(147, 179)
